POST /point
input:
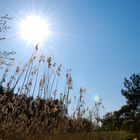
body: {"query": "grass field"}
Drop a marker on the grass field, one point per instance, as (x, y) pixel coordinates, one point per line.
(45, 116)
(104, 135)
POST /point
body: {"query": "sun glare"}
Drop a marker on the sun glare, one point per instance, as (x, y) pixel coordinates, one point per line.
(96, 98)
(34, 29)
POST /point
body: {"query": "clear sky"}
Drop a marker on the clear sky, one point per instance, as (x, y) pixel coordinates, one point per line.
(98, 39)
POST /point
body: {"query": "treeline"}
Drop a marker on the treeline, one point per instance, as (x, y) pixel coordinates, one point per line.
(128, 116)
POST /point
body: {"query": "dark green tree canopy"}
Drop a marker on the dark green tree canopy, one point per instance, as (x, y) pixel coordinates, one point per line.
(128, 117)
(131, 111)
(132, 93)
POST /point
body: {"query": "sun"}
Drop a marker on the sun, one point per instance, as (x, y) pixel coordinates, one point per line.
(34, 29)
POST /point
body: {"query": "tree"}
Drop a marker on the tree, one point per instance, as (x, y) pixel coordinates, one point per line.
(131, 111)
(128, 117)
(5, 56)
(112, 121)
(3, 24)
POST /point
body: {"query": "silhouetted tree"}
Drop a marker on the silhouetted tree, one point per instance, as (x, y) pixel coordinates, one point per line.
(112, 121)
(128, 117)
(131, 111)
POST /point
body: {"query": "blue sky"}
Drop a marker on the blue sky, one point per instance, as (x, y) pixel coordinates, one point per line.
(98, 39)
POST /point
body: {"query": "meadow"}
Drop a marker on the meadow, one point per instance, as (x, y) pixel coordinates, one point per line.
(102, 135)
(32, 108)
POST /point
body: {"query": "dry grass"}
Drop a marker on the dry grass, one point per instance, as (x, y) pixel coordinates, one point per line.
(32, 108)
(110, 135)
(31, 105)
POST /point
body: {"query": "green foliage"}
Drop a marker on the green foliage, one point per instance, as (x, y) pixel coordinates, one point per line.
(128, 117)
(131, 111)
(111, 121)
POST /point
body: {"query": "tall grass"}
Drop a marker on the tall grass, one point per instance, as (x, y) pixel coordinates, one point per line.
(31, 107)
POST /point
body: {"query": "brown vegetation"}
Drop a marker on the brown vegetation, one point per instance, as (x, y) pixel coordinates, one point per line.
(31, 105)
